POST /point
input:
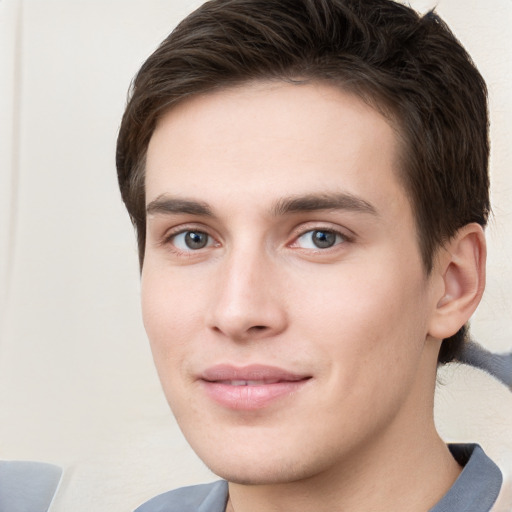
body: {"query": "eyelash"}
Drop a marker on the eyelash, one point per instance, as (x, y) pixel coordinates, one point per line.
(341, 238)
(170, 238)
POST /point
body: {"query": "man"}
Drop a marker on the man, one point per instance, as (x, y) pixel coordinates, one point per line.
(308, 180)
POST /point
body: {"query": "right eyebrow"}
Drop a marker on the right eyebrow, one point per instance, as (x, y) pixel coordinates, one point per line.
(165, 204)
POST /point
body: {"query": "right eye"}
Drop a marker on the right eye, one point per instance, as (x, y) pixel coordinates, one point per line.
(191, 240)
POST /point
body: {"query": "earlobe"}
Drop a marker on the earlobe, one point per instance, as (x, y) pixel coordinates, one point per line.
(461, 268)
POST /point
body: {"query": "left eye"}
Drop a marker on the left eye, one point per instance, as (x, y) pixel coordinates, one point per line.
(191, 240)
(320, 239)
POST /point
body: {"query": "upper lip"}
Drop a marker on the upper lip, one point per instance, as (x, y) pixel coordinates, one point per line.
(254, 372)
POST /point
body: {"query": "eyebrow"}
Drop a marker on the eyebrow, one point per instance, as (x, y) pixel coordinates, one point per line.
(165, 204)
(328, 201)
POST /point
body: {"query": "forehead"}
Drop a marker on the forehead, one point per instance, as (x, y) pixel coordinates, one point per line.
(268, 139)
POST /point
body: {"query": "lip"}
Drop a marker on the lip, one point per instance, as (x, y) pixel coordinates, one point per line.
(250, 387)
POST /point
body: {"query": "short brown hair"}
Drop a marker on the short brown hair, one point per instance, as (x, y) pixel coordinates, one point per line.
(410, 67)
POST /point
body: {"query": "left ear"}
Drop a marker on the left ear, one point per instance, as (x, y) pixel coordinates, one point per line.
(460, 267)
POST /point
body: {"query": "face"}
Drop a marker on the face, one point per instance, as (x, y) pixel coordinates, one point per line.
(283, 290)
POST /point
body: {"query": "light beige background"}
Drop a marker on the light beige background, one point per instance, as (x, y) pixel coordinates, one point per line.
(77, 386)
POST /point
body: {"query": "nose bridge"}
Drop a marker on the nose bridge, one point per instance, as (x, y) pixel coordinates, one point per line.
(249, 301)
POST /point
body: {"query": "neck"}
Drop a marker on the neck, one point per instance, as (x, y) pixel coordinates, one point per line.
(404, 468)
(403, 476)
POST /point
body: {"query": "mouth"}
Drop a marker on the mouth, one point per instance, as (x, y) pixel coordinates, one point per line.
(248, 382)
(250, 387)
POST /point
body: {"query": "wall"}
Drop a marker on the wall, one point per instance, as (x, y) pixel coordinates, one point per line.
(77, 385)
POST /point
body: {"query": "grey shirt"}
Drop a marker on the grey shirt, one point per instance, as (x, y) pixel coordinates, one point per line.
(476, 489)
(27, 486)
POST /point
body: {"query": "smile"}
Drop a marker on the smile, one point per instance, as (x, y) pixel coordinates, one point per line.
(248, 382)
(250, 388)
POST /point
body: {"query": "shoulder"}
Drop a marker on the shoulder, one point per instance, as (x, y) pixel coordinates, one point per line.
(478, 485)
(27, 485)
(196, 498)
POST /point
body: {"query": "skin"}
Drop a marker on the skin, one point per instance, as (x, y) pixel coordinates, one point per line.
(360, 318)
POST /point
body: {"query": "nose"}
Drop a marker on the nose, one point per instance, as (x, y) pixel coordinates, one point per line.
(250, 299)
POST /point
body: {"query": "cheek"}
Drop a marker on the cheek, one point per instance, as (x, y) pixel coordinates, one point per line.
(369, 313)
(369, 331)
(170, 312)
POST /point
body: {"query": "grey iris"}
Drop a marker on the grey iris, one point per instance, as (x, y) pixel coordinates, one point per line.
(196, 239)
(324, 239)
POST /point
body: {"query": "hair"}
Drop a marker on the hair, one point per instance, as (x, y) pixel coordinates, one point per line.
(411, 68)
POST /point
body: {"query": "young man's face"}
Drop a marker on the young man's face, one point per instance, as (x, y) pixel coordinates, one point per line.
(283, 289)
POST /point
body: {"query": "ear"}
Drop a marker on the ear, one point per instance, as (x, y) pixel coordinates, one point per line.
(460, 268)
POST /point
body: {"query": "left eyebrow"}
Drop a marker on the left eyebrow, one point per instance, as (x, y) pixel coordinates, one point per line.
(327, 201)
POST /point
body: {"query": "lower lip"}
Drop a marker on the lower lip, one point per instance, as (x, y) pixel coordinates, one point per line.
(249, 398)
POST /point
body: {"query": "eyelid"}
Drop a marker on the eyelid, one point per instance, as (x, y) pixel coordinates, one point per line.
(167, 237)
(182, 237)
(310, 241)
(303, 229)
(182, 228)
(170, 234)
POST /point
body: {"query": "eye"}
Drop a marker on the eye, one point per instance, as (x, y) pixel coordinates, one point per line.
(320, 239)
(191, 240)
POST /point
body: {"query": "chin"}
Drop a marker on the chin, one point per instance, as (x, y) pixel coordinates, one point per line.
(263, 467)
(255, 473)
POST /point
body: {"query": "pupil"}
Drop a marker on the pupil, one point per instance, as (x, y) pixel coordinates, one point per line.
(324, 239)
(196, 239)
